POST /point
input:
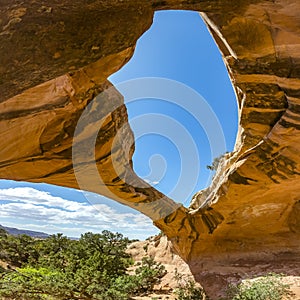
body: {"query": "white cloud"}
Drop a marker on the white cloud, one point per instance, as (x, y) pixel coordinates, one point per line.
(39, 210)
(151, 182)
(31, 195)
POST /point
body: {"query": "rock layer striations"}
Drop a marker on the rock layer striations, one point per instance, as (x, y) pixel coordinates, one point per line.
(55, 58)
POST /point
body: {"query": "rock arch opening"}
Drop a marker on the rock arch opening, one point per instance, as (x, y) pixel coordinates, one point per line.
(179, 47)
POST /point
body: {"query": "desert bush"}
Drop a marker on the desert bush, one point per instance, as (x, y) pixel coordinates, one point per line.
(92, 268)
(149, 273)
(269, 287)
(187, 289)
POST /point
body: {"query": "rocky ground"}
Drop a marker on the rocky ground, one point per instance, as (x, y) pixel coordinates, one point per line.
(294, 282)
(161, 250)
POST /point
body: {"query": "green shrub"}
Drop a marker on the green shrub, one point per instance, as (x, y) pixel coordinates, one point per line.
(215, 164)
(269, 287)
(149, 273)
(92, 268)
(187, 289)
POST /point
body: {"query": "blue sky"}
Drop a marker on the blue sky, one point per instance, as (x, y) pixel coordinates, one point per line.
(172, 141)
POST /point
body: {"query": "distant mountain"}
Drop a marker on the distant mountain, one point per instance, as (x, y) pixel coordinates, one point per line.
(15, 231)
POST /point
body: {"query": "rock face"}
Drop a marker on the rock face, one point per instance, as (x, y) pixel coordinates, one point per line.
(160, 249)
(55, 58)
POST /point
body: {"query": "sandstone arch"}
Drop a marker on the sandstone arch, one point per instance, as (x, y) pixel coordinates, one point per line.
(55, 57)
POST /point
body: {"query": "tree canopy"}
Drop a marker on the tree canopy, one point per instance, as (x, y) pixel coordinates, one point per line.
(93, 267)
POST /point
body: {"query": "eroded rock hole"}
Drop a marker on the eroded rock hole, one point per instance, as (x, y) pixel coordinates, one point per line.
(178, 133)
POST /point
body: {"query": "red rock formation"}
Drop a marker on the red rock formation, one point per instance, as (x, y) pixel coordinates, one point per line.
(247, 222)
